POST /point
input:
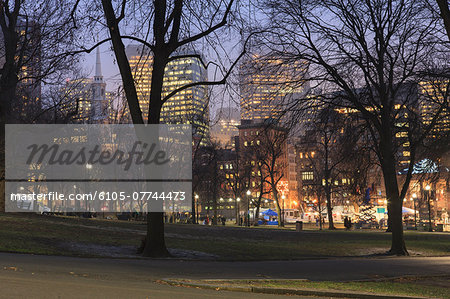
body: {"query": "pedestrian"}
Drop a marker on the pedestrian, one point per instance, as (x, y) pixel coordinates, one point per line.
(223, 220)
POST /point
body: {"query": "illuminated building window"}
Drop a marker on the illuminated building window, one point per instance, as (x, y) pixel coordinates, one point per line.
(307, 176)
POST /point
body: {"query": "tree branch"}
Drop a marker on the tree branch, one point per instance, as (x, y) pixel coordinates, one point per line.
(209, 30)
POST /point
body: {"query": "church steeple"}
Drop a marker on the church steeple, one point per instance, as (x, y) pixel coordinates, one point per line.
(98, 68)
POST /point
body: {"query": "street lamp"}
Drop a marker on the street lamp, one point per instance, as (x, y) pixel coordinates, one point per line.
(283, 197)
(238, 216)
(248, 207)
(196, 206)
(427, 196)
(414, 196)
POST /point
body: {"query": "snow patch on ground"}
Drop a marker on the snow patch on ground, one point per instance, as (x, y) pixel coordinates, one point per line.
(127, 251)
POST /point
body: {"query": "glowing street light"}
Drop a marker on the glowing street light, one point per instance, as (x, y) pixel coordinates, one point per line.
(248, 207)
(196, 206)
(413, 198)
(427, 197)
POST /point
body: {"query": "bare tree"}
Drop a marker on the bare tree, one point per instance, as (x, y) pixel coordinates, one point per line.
(445, 14)
(254, 176)
(329, 143)
(268, 148)
(34, 39)
(370, 51)
(167, 27)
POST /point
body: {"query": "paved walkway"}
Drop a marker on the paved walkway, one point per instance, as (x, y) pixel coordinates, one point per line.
(23, 275)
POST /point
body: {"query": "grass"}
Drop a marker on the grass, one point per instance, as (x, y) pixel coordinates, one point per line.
(261, 244)
(30, 233)
(422, 287)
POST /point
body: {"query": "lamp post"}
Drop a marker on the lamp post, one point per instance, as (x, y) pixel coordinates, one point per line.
(249, 193)
(283, 197)
(238, 216)
(427, 196)
(195, 216)
(89, 169)
(414, 196)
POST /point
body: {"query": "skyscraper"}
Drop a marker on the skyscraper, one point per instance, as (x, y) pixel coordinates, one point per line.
(269, 87)
(27, 104)
(225, 125)
(189, 106)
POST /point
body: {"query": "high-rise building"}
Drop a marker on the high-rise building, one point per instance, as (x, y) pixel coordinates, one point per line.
(27, 104)
(225, 125)
(189, 106)
(432, 96)
(270, 87)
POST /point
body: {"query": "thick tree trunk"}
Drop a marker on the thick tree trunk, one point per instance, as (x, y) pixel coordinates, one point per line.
(155, 246)
(2, 162)
(388, 165)
(214, 189)
(194, 209)
(154, 243)
(277, 203)
(319, 205)
(258, 206)
(329, 209)
(8, 84)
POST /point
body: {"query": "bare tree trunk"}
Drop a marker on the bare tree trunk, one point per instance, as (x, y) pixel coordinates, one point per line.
(194, 209)
(329, 209)
(277, 202)
(393, 197)
(320, 211)
(258, 206)
(445, 14)
(156, 245)
(214, 187)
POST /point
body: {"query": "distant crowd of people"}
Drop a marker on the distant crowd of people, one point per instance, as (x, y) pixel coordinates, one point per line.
(207, 221)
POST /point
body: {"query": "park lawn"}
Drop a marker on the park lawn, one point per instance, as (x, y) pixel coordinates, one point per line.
(31, 233)
(418, 287)
(310, 244)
